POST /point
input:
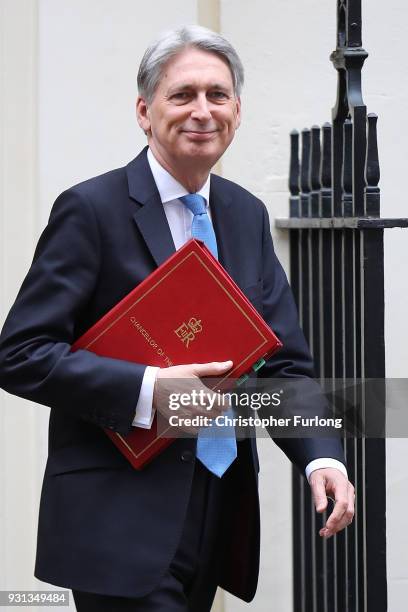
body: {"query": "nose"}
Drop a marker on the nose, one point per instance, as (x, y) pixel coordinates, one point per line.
(201, 110)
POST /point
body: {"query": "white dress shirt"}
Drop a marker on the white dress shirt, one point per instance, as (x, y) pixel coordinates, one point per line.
(180, 218)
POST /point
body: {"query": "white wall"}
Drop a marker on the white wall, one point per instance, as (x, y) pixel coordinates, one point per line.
(89, 53)
(20, 480)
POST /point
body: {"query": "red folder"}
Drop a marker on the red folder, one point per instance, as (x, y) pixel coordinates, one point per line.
(189, 310)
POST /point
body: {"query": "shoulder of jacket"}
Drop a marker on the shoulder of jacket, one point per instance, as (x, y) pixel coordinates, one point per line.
(234, 190)
(100, 183)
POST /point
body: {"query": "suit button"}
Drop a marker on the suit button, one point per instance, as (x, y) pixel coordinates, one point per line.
(187, 456)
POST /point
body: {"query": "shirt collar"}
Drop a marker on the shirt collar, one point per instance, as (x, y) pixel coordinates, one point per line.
(170, 189)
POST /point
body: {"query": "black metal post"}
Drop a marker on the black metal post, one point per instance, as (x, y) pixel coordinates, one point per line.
(337, 275)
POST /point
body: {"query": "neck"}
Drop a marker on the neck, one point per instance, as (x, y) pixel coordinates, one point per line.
(192, 176)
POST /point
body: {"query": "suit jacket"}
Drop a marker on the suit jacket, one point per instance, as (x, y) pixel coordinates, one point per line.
(104, 527)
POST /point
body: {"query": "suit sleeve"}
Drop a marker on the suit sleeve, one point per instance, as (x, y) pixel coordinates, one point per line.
(293, 364)
(35, 358)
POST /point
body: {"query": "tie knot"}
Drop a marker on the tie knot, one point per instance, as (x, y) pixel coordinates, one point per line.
(194, 202)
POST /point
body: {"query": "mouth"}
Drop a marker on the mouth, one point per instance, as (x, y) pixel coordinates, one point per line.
(200, 135)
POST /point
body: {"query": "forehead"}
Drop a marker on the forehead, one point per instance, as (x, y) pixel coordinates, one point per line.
(195, 66)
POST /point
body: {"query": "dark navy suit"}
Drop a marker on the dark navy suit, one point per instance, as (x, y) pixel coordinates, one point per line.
(104, 527)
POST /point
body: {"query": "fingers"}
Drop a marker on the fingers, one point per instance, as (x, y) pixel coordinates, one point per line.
(203, 402)
(193, 370)
(214, 403)
(181, 388)
(328, 482)
(317, 485)
(180, 391)
(213, 368)
(343, 511)
(190, 430)
(351, 504)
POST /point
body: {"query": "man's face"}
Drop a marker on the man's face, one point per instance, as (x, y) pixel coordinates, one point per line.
(194, 113)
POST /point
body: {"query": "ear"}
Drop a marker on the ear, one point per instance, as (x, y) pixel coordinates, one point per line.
(238, 111)
(142, 114)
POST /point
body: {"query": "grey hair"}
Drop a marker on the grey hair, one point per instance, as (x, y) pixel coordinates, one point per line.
(173, 42)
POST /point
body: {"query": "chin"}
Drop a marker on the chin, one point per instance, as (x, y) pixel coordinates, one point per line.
(204, 150)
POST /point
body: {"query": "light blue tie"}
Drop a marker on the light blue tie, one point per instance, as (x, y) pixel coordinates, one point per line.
(216, 446)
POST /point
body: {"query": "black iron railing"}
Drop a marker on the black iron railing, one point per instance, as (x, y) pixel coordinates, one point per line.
(337, 276)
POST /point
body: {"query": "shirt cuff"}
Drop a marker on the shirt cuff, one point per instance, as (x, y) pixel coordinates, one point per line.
(144, 409)
(325, 462)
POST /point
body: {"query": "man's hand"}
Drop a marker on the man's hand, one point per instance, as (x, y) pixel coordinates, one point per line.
(186, 379)
(330, 482)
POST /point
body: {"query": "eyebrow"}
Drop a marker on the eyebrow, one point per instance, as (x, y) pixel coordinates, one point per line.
(186, 86)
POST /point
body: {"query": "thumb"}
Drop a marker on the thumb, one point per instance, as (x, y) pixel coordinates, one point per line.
(319, 494)
(212, 369)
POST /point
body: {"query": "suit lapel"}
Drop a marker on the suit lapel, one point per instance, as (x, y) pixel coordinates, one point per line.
(222, 212)
(150, 217)
(151, 220)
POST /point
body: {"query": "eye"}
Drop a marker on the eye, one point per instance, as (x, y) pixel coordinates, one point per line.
(218, 95)
(180, 96)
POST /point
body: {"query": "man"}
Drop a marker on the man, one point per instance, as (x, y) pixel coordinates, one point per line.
(165, 537)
